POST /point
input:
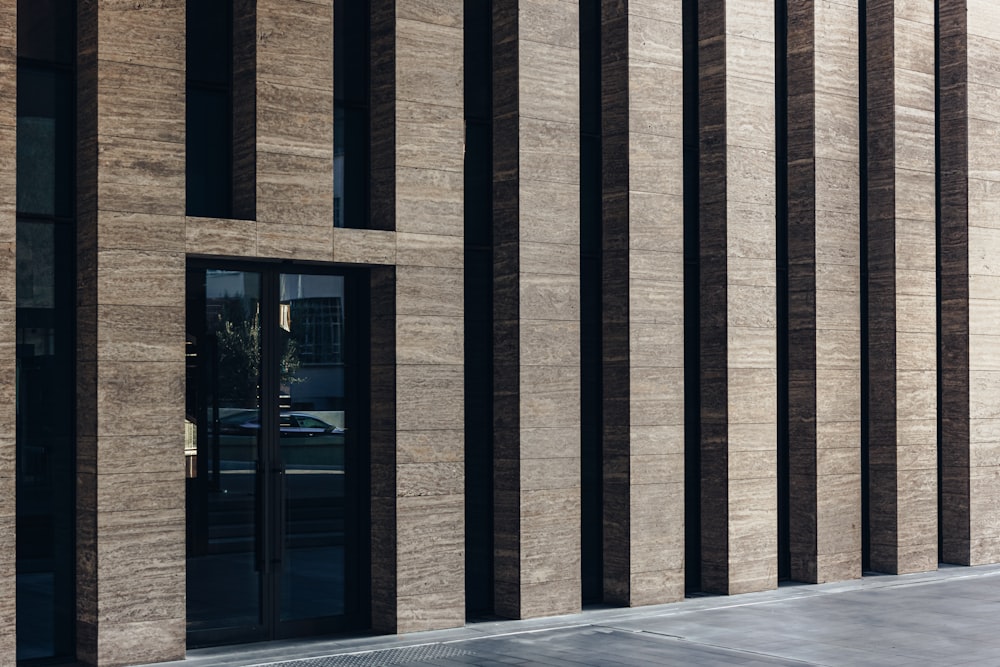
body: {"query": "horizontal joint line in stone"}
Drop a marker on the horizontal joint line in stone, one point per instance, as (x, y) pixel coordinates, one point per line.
(408, 165)
(571, 49)
(638, 133)
(435, 105)
(541, 180)
(574, 124)
(106, 59)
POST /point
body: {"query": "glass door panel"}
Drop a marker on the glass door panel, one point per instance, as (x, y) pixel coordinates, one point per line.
(223, 445)
(311, 457)
(269, 473)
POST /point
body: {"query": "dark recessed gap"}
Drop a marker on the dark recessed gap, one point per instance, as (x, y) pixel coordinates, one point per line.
(692, 328)
(939, 347)
(478, 307)
(781, 254)
(591, 371)
(865, 328)
(352, 86)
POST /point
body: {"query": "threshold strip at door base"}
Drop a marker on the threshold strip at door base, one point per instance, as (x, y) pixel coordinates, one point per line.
(390, 656)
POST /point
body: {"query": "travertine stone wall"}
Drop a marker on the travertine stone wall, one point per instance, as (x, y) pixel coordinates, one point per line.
(970, 280)
(130, 349)
(643, 301)
(358, 245)
(902, 286)
(415, 249)
(824, 306)
(418, 505)
(737, 249)
(294, 93)
(8, 232)
(536, 138)
(244, 111)
(282, 136)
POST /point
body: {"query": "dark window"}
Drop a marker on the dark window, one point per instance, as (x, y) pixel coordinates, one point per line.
(46, 31)
(45, 143)
(209, 162)
(220, 117)
(209, 108)
(46, 322)
(351, 112)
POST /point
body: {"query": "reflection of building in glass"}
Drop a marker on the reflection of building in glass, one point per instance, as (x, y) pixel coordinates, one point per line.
(319, 322)
(312, 312)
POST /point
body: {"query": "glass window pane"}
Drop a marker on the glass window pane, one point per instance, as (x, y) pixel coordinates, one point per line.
(224, 430)
(46, 460)
(209, 146)
(310, 327)
(209, 31)
(45, 30)
(36, 265)
(45, 144)
(351, 117)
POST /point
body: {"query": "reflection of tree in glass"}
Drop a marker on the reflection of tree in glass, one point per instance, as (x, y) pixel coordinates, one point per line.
(238, 336)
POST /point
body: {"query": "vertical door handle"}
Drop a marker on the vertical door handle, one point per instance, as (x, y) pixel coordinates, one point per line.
(260, 502)
(281, 490)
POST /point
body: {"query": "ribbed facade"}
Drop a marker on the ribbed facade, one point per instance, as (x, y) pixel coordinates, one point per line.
(543, 303)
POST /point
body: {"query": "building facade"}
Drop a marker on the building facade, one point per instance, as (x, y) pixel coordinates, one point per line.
(346, 315)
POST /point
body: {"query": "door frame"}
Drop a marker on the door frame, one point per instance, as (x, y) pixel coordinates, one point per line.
(269, 510)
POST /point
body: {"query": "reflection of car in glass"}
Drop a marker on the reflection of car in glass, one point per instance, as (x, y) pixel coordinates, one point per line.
(292, 425)
(305, 438)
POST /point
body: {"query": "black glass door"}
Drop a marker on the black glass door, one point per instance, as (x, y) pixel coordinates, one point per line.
(311, 452)
(270, 455)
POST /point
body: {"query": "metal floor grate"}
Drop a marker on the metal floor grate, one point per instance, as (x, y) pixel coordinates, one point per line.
(412, 655)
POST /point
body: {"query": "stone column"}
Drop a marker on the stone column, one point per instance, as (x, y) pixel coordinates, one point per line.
(418, 472)
(737, 249)
(824, 292)
(536, 139)
(130, 368)
(643, 301)
(970, 280)
(902, 293)
(8, 237)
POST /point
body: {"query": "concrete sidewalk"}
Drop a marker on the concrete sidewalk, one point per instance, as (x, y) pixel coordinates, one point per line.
(948, 617)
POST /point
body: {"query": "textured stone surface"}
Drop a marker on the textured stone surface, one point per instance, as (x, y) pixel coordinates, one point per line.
(283, 143)
(134, 238)
(130, 372)
(737, 284)
(970, 44)
(8, 125)
(824, 306)
(536, 288)
(8, 227)
(643, 303)
(418, 512)
(364, 246)
(902, 295)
